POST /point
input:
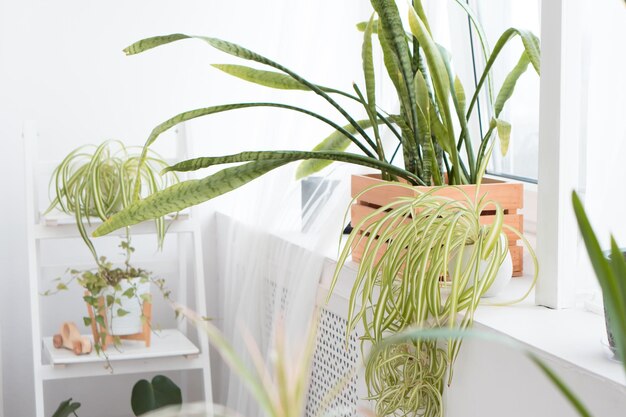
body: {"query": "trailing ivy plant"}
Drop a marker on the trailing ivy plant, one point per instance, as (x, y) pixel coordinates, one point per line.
(95, 182)
(432, 102)
(404, 280)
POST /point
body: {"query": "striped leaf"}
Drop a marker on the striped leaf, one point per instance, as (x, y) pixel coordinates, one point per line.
(456, 88)
(244, 53)
(531, 48)
(393, 32)
(508, 86)
(336, 141)
(270, 79)
(460, 92)
(368, 67)
(362, 25)
(193, 114)
(439, 76)
(149, 43)
(289, 156)
(187, 194)
(504, 134)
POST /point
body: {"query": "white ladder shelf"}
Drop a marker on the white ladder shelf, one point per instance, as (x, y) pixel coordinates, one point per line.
(170, 350)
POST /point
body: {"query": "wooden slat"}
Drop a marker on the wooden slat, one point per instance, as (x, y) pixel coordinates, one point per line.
(359, 212)
(516, 256)
(518, 260)
(510, 196)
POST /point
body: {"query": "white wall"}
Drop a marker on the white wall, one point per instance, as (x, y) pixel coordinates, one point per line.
(61, 65)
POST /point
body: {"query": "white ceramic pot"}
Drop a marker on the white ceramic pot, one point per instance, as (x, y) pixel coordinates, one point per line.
(129, 323)
(502, 277)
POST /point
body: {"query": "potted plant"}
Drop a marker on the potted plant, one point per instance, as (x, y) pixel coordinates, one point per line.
(431, 97)
(91, 184)
(427, 261)
(611, 274)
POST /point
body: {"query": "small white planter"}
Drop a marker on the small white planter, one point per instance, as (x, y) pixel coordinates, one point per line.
(502, 277)
(129, 323)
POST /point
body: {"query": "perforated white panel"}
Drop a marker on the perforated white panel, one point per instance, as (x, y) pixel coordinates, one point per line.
(332, 364)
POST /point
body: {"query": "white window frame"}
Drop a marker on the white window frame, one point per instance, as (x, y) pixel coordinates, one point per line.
(559, 143)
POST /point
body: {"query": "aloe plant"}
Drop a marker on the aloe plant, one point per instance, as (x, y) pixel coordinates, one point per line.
(405, 279)
(611, 275)
(432, 101)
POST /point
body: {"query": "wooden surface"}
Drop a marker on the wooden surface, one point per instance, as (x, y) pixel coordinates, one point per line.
(510, 197)
(165, 343)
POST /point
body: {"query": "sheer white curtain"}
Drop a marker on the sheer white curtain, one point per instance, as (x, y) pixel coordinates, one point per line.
(603, 131)
(273, 233)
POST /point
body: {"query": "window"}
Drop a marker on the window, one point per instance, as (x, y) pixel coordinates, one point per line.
(582, 139)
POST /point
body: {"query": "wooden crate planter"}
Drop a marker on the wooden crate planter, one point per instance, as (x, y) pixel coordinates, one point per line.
(510, 196)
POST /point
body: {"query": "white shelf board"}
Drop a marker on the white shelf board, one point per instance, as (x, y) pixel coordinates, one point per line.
(65, 227)
(164, 343)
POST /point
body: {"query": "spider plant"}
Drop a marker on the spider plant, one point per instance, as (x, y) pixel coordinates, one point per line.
(432, 102)
(404, 280)
(93, 183)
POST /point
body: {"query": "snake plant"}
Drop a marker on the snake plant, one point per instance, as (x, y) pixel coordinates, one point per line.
(405, 279)
(432, 103)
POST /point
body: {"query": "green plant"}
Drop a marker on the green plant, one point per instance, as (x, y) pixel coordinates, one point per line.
(432, 100)
(404, 280)
(146, 396)
(280, 389)
(152, 395)
(611, 274)
(95, 182)
(66, 409)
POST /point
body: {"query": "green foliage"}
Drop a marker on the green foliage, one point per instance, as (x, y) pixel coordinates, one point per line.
(149, 396)
(66, 409)
(432, 103)
(611, 274)
(404, 280)
(438, 334)
(98, 181)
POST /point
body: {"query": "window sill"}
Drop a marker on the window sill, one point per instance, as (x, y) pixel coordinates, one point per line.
(572, 337)
(569, 338)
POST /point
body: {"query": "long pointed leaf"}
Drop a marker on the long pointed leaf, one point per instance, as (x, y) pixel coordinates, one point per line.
(336, 141)
(368, 67)
(244, 53)
(205, 162)
(441, 84)
(187, 194)
(270, 79)
(508, 86)
(531, 48)
(193, 114)
(504, 134)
